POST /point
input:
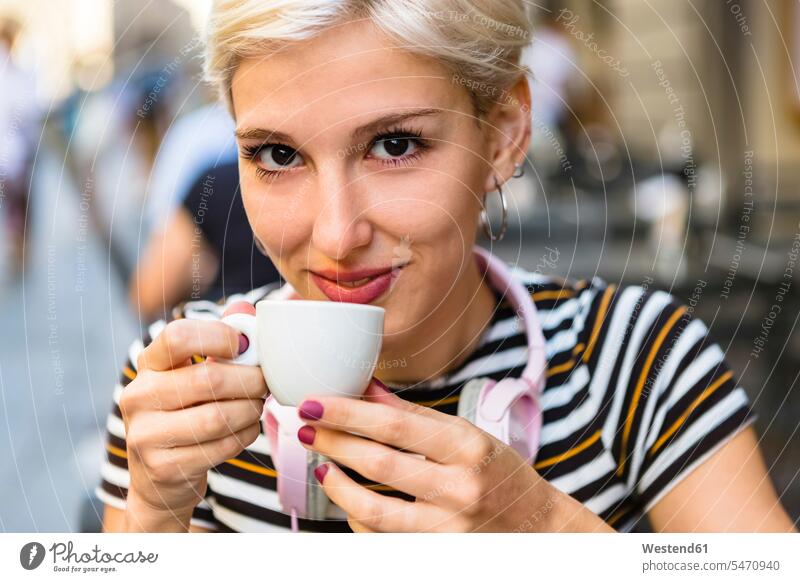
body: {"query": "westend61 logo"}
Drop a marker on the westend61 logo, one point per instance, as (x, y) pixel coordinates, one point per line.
(66, 559)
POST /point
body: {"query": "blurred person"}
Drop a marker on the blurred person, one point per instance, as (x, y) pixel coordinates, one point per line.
(556, 90)
(112, 151)
(18, 121)
(555, 70)
(194, 142)
(206, 250)
(200, 243)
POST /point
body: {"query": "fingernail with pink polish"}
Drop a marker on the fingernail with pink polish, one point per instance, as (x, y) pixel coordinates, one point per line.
(320, 472)
(244, 343)
(307, 434)
(311, 410)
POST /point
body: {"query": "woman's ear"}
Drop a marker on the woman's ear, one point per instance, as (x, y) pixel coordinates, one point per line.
(509, 128)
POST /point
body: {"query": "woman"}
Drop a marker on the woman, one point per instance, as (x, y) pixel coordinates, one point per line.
(371, 133)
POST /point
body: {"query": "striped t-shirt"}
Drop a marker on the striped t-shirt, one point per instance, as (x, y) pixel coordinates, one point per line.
(637, 395)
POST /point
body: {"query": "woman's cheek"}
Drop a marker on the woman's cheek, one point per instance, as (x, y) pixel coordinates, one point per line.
(432, 216)
(277, 221)
(437, 231)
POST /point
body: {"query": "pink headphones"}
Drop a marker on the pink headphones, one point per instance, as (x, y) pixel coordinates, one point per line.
(509, 409)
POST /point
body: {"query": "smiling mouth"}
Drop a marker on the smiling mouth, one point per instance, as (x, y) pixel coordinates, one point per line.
(364, 289)
(357, 283)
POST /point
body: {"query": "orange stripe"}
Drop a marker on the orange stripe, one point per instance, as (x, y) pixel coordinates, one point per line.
(272, 473)
(566, 365)
(246, 466)
(613, 519)
(116, 451)
(252, 468)
(440, 402)
(558, 294)
(598, 322)
(570, 453)
(235, 462)
(560, 368)
(706, 393)
(640, 385)
(129, 373)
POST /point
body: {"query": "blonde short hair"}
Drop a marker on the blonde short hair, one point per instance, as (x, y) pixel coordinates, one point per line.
(479, 41)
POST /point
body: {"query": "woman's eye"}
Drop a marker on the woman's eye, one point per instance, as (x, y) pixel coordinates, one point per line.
(394, 147)
(278, 157)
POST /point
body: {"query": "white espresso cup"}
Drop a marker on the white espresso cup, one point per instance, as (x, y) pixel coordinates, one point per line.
(308, 348)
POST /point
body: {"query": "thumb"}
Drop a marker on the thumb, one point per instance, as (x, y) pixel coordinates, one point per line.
(240, 307)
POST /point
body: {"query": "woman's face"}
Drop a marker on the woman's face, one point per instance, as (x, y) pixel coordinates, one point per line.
(362, 169)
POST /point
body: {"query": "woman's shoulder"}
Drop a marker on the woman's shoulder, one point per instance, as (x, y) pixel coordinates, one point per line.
(595, 302)
(549, 291)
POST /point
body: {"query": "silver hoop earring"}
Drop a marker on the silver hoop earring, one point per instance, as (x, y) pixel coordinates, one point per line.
(519, 170)
(487, 227)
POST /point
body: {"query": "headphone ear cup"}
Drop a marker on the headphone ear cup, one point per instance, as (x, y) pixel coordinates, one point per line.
(524, 426)
(269, 425)
(504, 409)
(469, 397)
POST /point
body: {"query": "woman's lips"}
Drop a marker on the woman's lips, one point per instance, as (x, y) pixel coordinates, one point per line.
(363, 290)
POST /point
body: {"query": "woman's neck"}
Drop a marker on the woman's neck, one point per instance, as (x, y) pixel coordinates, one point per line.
(458, 328)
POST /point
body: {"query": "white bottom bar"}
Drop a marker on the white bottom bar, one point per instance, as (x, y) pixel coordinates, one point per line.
(406, 558)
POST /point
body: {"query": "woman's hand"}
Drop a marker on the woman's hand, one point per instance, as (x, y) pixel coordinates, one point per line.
(467, 481)
(182, 419)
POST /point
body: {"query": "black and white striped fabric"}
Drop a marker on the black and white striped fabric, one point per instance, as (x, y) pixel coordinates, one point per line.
(637, 395)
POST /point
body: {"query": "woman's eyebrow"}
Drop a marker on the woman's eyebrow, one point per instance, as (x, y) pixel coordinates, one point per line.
(262, 133)
(392, 119)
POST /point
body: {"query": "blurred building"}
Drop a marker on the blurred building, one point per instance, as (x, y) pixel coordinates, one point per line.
(706, 81)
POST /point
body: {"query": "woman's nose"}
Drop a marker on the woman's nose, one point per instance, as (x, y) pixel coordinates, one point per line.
(341, 224)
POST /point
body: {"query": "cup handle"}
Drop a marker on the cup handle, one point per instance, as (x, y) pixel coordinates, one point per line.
(245, 324)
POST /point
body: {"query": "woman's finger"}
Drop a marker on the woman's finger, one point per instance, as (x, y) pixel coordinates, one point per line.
(183, 338)
(370, 509)
(207, 382)
(204, 423)
(438, 439)
(189, 461)
(378, 392)
(358, 527)
(405, 472)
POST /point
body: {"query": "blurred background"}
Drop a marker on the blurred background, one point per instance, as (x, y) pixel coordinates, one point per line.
(666, 152)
